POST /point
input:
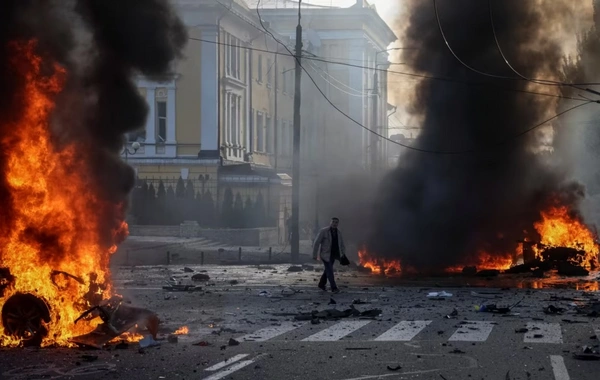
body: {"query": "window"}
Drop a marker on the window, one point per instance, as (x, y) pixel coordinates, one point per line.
(161, 121)
(269, 71)
(233, 120)
(260, 132)
(269, 132)
(259, 67)
(232, 56)
(284, 75)
(284, 138)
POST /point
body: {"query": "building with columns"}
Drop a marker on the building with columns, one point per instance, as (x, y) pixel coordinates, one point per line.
(221, 127)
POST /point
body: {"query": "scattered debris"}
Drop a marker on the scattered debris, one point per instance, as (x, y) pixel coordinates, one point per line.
(295, 268)
(396, 368)
(264, 293)
(553, 310)
(233, 342)
(117, 318)
(188, 270)
(485, 294)
(439, 295)
(202, 343)
(200, 277)
(182, 288)
(587, 353)
(522, 330)
(457, 351)
(172, 338)
(308, 267)
(148, 341)
(89, 358)
(333, 314)
(452, 315)
(332, 301)
(358, 348)
(234, 282)
(359, 302)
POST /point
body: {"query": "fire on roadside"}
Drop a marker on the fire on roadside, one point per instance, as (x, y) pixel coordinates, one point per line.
(52, 246)
(377, 265)
(557, 227)
(184, 330)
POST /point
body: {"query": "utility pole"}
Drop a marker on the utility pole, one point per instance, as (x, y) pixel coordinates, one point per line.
(374, 125)
(296, 156)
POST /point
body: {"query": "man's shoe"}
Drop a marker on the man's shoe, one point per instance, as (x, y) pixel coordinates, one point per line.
(335, 291)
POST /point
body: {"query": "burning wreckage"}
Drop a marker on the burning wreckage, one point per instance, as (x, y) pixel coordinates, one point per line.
(565, 245)
(25, 317)
(70, 98)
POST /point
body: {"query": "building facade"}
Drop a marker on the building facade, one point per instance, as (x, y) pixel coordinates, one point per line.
(218, 138)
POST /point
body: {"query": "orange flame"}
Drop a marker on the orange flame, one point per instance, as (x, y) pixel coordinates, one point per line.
(485, 260)
(184, 330)
(129, 337)
(53, 221)
(559, 228)
(378, 266)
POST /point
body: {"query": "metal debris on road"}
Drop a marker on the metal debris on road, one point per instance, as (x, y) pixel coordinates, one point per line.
(396, 368)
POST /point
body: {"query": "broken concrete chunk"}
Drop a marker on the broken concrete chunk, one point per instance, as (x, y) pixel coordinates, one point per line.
(200, 277)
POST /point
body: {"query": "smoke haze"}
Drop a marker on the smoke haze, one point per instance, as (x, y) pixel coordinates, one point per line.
(101, 45)
(439, 210)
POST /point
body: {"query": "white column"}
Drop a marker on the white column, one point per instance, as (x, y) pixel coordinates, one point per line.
(171, 147)
(358, 142)
(209, 104)
(150, 149)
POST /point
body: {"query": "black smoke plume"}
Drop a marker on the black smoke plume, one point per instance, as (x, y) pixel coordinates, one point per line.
(103, 45)
(439, 210)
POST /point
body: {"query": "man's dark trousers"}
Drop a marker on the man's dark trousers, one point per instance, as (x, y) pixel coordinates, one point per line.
(328, 275)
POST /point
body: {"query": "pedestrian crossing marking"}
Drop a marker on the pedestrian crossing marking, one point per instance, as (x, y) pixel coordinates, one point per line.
(543, 333)
(404, 331)
(336, 332)
(472, 331)
(270, 332)
(225, 363)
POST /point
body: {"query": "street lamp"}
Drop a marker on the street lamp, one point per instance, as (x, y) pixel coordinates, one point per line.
(135, 146)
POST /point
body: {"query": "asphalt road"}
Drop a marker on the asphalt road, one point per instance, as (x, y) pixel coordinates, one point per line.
(412, 338)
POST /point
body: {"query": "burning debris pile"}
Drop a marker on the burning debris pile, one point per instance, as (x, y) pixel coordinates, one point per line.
(485, 178)
(66, 79)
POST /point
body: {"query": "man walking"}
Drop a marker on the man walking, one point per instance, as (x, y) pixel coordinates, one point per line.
(330, 245)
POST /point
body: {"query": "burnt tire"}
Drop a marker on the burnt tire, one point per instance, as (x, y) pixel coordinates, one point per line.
(24, 316)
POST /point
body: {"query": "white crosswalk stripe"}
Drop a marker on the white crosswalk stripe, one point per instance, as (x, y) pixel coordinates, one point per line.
(270, 332)
(336, 332)
(472, 331)
(404, 331)
(543, 333)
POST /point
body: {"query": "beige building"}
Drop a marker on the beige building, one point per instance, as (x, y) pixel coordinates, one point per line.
(219, 131)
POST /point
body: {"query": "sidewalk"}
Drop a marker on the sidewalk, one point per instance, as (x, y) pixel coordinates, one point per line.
(150, 250)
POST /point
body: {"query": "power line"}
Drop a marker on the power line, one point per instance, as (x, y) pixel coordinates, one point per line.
(521, 77)
(413, 75)
(438, 152)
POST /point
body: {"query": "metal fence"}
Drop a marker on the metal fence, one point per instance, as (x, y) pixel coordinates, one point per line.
(236, 204)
